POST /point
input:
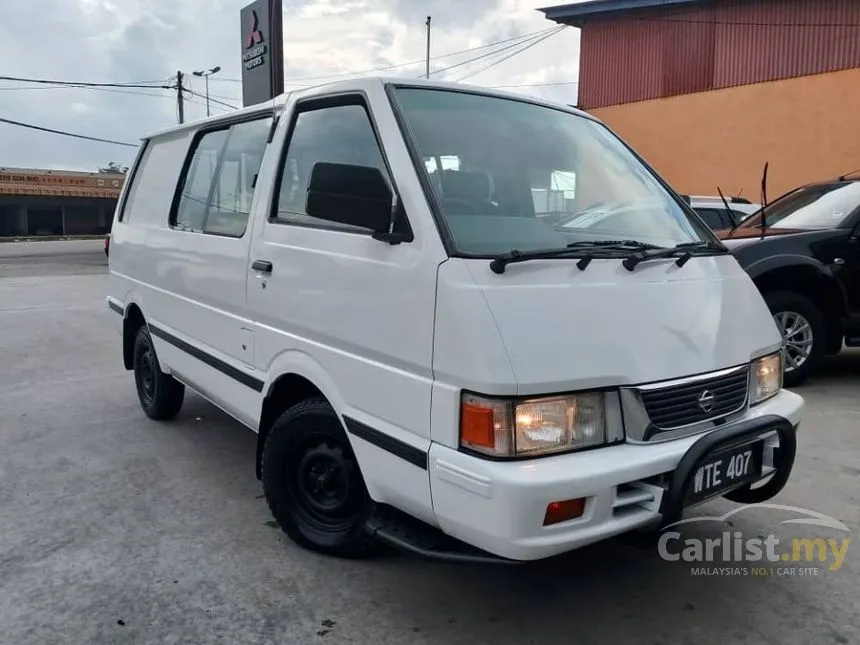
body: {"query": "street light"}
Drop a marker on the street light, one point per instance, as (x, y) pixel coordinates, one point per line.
(206, 74)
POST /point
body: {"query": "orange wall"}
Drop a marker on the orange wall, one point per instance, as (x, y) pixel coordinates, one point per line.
(808, 128)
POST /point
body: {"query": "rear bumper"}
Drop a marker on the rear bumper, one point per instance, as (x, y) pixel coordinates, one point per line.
(500, 506)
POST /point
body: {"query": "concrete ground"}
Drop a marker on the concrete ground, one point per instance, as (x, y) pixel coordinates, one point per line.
(117, 529)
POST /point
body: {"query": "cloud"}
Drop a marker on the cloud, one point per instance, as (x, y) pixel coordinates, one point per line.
(149, 40)
(80, 108)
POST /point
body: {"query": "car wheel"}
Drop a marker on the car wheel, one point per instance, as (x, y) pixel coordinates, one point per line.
(160, 394)
(313, 485)
(803, 333)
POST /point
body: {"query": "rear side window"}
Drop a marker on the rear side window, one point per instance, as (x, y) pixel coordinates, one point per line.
(215, 193)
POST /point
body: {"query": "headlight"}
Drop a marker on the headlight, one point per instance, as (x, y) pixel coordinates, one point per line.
(765, 377)
(506, 428)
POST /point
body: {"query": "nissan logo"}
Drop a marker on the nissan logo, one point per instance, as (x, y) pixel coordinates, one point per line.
(706, 400)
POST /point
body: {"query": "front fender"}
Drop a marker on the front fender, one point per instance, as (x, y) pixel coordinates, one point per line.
(298, 363)
(808, 275)
(760, 266)
(301, 364)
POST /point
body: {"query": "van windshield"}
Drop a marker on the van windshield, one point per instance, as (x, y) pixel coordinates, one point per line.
(509, 174)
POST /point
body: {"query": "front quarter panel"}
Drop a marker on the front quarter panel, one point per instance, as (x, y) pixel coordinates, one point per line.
(468, 350)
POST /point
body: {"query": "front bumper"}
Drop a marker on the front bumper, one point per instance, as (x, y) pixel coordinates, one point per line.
(499, 506)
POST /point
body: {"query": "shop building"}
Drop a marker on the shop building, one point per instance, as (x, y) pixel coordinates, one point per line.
(55, 202)
(709, 91)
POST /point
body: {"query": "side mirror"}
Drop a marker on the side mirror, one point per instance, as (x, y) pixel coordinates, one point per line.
(351, 195)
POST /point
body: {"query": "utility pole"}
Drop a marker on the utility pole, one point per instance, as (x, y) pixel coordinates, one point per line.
(179, 97)
(206, 74)
(427, 72)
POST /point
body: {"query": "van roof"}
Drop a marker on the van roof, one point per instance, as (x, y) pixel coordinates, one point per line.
(358, 84)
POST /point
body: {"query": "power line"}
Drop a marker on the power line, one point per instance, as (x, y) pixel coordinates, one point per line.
(511, 55)
(66, 134)
(159, 84)
(217, 102)
(43, 81)
(223, 96)
(547, 32)
(99, 89)
(408, 64)
(32, 89)
(107, 89)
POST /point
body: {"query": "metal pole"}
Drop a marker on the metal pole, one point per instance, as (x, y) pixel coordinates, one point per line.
(179, 97)
(207, 94)
(427, 72)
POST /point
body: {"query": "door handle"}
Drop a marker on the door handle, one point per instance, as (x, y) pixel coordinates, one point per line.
(263, 266)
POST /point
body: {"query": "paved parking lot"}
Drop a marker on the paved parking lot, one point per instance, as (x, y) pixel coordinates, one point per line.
(116, 529)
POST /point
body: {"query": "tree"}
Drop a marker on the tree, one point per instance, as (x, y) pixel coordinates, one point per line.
(114, 168)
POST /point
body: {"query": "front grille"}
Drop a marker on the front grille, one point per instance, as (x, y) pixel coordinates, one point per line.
(680, 405)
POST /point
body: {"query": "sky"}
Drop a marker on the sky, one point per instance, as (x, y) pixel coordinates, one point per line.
(131, 41)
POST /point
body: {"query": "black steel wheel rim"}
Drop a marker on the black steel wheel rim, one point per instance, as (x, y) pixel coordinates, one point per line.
(147, 374)
(324, 484)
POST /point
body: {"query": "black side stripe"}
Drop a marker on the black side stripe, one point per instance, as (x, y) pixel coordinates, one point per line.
(225, 368)
(115, 307)
(413, 455)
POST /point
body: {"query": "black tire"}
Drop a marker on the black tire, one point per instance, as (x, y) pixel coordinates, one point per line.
(160, 394)
(794, 303)
(313, 484)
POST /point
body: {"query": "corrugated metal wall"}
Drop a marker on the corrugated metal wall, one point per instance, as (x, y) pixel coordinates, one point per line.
(734, 42)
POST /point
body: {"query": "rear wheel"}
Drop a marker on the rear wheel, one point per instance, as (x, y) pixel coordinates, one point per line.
(160, 394)
(313, 484)
(803, 332)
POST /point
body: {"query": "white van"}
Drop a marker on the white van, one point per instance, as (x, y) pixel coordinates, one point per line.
(360, 275)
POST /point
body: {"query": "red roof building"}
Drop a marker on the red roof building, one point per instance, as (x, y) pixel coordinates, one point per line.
(708, 91)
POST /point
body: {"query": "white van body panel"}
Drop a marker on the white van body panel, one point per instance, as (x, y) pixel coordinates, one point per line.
(361, 312)
(393, 334)
(655, 323)
(190, 286)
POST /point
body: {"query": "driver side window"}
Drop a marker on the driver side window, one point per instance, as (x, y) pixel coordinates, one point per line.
(338, 134)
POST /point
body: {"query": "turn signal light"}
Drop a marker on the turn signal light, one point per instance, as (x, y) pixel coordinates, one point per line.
(476, 426)
(569, 509)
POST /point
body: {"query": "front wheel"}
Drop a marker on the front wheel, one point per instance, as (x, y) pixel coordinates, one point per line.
(801, 324)
(313, 484)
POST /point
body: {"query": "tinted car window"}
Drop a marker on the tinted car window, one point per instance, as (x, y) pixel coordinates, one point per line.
(341, 134)
(811, 207)
(713, 218)
(215, 195)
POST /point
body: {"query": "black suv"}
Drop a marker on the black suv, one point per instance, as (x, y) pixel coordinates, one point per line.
(805, 260)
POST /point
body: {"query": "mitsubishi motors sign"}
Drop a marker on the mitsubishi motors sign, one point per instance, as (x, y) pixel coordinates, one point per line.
(262, 51)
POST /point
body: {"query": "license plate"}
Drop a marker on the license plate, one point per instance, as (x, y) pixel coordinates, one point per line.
(726, 470)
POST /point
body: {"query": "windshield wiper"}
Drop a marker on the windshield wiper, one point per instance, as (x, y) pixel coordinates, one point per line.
(620, 244)
(574, 250)
(684, 252)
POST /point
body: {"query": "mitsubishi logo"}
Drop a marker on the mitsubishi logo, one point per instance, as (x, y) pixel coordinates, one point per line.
(256, 35)
(706, 400)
